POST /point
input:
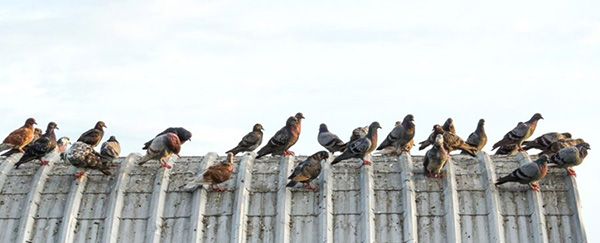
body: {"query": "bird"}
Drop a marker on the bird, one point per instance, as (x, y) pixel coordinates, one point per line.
(308, 170)
(282, 140)
(358, 132)
(41, 147)
(111, 148)
(17, 139)
(545, 141)
(528, 173)
(570, 156)
(449, 126)
(361, 147)
(453, 142)
(563, 143)
(62, 144)
(215, 174)
(37, 133)
(94, 135)
(435, 158)
(84, 157)
(329, 141)
(183, 134)
(249, 142)
(401, 135)
(437, 129)
(161, 148)
(507, 150)
(520, 133)
(478, 138)
(298, 129)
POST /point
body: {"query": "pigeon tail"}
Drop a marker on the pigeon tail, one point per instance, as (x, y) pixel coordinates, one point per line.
(291, 184)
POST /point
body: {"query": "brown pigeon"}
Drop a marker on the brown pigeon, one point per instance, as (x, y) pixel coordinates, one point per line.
(362, 147)
(111, 148)
(298, 116)
(308, 170)
(478, 138)
(83, 156)
(37, 133)
(563, 143)
(329, 141)
(40, 147)
(545, 141)
(435, 158)
(520, 133)
(215, 174)
(449, 126)
(570, 156)
(437, 129)
(453, 142)
(282, 140)
(183, 134)
(20, 137)
(161, 148)
(94, 135)
(401, 135)
(249, 142)
(528, 173)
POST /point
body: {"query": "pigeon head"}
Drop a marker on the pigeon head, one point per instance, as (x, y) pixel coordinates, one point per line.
(100, 125)
(449, 121)
(583, 145)
(52, 125)
(229, 158)
(321, 155)
(437, 129)
(258, 127)
(291, 121)
(409, 118)
(37, 132)
(439, 139)
(112, 139)
(536, 117)
(323, 128)
(375, 125)
(184, 135)
(64, 141)
(566, 134)
(30, 122)
(299, 116)
(542, 160)
(481, 122)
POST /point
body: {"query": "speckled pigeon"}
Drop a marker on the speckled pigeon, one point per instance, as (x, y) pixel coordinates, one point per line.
(17, 139)
(94, 135)
(41, 147)
(362, 147)
(528, 173)
(570, 156)
(84, 157)
(183, 134)
(330, 141)
(249, 142)
(282, 140)
(308, 170)
(161, 148)
(520, 133)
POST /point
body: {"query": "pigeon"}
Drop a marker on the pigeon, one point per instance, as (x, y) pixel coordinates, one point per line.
(37, 133)
(478, 138)
(282, 140)
(358, 132)
(40, 147)
(528, 173)
(308, 170)
(111, 148)
(183, 134)
(161, 148)
(20, 137)
(249, 142)
(215, 174)
(453, 142)
(435, 158)
(520, 133)
(449, 126)
(83, 156)
(570, 156)
(330, 141)
(563, 143)
(298, 129)
(401, 135)
(437, 129)
(507, 150)
(545, 141)
(62, 144)
(94, 135)
(361, 147)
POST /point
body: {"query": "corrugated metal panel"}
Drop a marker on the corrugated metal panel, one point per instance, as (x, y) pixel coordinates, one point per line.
(390, 201)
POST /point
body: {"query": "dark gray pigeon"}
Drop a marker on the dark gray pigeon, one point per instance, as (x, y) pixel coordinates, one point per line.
(435, 158)
(570, 157)
(520, 133)
(478, 138)
(249, 142)
(401, 135)
(308, 170)
(362, 147)
(41, 147)
(528, 173)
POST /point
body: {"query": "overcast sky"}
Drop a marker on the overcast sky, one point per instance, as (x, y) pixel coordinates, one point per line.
(218, 67)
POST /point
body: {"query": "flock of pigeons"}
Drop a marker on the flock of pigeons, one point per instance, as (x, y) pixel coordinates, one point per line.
(557, 148)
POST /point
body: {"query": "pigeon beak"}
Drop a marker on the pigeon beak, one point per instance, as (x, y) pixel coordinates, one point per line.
(104, 126)
(56, 128)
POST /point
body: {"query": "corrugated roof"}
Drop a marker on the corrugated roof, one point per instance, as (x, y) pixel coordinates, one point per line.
(390, 201)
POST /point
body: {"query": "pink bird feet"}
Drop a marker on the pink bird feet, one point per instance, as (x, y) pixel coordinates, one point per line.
(165, 165)
(535, 187)
(216, 188)
(78, 175)
(307, 186)
(571, 172)
(287, 153)
(44, 162)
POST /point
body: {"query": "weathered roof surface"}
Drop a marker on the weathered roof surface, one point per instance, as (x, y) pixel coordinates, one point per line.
(390, 201)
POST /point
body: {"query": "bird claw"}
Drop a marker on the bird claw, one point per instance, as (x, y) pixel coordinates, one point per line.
(44, 162)
(366, 162)
(307, 186)
(165, 165)
(535, 187)
(571, 172)
(78, 175)
(216, 188)
(287, 153)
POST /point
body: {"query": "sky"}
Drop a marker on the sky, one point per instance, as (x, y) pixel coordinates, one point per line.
(218, 67)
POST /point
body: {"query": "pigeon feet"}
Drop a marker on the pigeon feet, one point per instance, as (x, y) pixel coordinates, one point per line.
(308, 186)
(78, 175)
(44, 162)
(366, 162)
(287, 153)
(165, 164)
(571, 172)
(216, 188)
(438, 175)
(535, 187)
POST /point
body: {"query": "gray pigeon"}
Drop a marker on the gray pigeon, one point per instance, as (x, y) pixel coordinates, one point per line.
(449, 126)
(361, 147)
(570, 157)
(435, 158)
(161, 148)
(520, 133)
(308, 170)
(401, 135)
(282, 140)
(528, 173)
(330, 141)
(111, 148)
(478, 138)
(249, 142)
(545, 141)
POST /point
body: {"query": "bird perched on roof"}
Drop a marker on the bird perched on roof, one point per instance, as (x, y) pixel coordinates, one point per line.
(329, 141)
(161, 148)
(437, 129)
(451, 141)
(435, 158)
(84, 157)
(358, 132)
(17, 139)
(249, 142)
(545, 141)
(41, 147)
(111, 148)
(37, 133)
(563, 143)
(478, 138)
(308, 170)
(520, 133)
(298, 116)
(282, 140)
(570, 156)
(94, 135)
(449, 126)
(401, 135)
(528, 173)
(183, 134)
(215, 174)
(362, 147)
